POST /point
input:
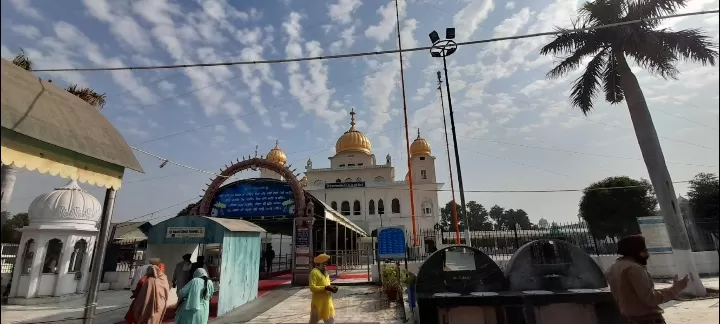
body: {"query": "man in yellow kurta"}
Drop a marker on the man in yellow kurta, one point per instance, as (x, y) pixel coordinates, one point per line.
(321, 305)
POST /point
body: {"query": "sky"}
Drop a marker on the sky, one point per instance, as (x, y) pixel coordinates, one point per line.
(516, 129)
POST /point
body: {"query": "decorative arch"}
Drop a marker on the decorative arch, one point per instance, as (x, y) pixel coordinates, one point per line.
(356, 207)
(253, 163)
(371, 207)
(395, 206)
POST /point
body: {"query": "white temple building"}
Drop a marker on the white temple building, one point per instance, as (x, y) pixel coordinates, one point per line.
(56, 248)
(366, 191)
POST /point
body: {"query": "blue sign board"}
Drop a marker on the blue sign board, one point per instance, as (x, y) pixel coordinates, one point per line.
(250, 199)
(391, 242)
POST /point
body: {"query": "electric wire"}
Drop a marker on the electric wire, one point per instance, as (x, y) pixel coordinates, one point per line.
(372, 53)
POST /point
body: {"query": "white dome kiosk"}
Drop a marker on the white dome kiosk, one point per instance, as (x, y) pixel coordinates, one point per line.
(55, 249)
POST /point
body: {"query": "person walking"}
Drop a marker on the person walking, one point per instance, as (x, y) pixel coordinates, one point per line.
(194, 299)
(182, 273)
(321, 305)
(632, 286)
(129, 316)
(150, 304)
(268, 255)
(199, 263)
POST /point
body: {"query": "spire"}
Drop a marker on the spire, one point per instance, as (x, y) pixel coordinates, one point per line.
(277, 143)
(418, 133)
(256, 149)
(352, 118)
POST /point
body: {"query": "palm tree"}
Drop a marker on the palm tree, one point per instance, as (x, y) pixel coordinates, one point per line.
(7, 175)
(95, 99)
(658, 51)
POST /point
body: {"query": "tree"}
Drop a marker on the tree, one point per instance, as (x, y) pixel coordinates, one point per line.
(613, 212)
(655, 50)
(9, 232)
(703, 200)
(496, 214)
(186, 211)
(518, 217)
(446, 218)
(477, 217)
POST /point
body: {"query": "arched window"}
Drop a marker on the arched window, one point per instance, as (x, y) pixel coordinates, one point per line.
(333, 205)
(379, 179)
(348, 180)
(427, 208)
(396, 206)
(77, 257)
(356, 207)
(345, 208)
(28, 255)
(52, 256)
(358, 179)
(338, 180)
(371, 207)
(381, 207)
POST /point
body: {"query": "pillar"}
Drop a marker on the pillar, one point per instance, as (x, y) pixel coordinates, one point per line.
(19, 258)
(85, 268)
(64, 262)
(36, 270)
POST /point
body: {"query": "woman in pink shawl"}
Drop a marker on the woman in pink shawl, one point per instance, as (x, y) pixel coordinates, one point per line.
(150, 303)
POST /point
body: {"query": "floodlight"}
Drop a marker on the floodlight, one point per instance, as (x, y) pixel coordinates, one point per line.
(434, 37)
(450, 33)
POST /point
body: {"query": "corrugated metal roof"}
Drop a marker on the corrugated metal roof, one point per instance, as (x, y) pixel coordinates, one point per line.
(38, 109)
(129, 231)
(335, 216)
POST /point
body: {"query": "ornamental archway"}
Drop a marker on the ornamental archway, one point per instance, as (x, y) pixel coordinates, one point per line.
(298, 194)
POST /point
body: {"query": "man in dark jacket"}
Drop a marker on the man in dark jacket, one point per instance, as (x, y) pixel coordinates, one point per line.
(268, 255)
(632, 287)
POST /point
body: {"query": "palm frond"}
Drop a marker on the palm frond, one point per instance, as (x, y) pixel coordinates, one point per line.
(93, 98)
(23, 61)
(573, 61)
(585, 88)
(602, 12)
(567, 42)
(612, 85)
(689, 44)
(644, 9)
(649, 52)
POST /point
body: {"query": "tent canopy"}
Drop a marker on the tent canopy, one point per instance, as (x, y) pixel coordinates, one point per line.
(48, 129)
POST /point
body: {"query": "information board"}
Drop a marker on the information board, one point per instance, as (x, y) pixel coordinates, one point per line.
(656, 235)
(250, 199)
(178, 232)
(391, 242)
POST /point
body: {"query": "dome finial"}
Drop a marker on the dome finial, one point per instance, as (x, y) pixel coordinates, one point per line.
(418, 132)
(352, 118)
(277, 143)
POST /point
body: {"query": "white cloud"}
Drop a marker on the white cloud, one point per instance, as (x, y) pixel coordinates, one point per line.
(166, 86)
(284, 122)
(510, 5)
(26, 30)
(24, 7)
(343, 11)
(388, 21)
(123, 26)
(468, 19)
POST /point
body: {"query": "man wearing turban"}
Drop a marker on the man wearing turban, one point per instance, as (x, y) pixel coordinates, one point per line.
(321, 305)
(632, 287)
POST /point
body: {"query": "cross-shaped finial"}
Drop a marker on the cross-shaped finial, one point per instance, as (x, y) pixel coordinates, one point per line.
(277, 143)
(418, 132)
(256, 149)
(352, 117)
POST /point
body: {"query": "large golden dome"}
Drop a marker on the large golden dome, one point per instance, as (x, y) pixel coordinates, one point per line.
(353, 140)
(420, 146)
(277, 155)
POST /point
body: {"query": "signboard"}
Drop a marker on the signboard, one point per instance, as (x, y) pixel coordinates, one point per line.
(250, 199)
(335, 185)
(178, 232)
(656, 235)
(302, 245)
(391, 242)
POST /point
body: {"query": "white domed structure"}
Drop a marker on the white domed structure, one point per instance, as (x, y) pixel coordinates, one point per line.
(66, 207)
(54, 255)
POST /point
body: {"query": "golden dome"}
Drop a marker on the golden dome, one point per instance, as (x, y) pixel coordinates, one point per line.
(420, 146)
(277, 155)
(304, 181)
(353, 140)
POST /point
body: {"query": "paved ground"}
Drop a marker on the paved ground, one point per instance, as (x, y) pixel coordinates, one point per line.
(353, 304)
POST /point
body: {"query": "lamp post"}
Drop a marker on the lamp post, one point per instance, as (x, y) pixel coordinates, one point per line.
(444, 48)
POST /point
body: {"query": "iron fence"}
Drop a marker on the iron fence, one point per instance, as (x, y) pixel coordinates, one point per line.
(8, 252)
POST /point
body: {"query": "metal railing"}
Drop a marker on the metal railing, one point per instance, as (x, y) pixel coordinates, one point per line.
(8, 253)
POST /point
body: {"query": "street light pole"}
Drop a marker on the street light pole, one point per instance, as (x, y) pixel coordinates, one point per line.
(457, 156)
(444, 48)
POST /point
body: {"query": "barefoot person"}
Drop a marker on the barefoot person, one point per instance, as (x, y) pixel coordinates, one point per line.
(321, 305)
(632, 287)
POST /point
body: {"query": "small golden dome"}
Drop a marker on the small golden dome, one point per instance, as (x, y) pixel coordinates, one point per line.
(277, 155)
(420, 146)
(304, 181)
(353, 140)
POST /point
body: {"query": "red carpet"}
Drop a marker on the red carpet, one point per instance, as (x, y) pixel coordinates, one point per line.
(353, 276)
(264, 286)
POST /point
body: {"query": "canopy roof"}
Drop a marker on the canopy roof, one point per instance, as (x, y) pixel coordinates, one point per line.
(48, 129)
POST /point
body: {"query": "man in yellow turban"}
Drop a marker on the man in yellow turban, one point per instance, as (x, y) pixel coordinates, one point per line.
(321, 305)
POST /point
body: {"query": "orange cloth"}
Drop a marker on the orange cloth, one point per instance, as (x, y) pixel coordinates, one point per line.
(151, 301)
(129, 316)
